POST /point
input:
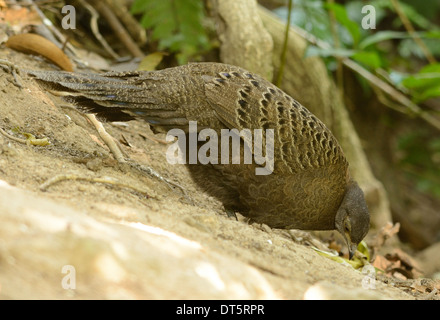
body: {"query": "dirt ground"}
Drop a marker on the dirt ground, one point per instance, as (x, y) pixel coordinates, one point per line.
(83, 240)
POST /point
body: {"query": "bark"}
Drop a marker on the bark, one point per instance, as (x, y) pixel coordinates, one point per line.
(244, 40)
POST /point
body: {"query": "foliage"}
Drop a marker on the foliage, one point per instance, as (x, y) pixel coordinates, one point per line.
(390, 48)
(420, 158)
(176, 25)
(358, 261)
(362, 45)
(425, 84)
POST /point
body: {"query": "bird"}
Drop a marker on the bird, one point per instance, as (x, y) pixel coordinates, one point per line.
(309, 186)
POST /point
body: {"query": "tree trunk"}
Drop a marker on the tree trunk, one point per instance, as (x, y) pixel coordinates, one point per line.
(244, 40)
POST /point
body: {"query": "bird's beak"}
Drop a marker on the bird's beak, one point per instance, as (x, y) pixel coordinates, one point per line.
(352, 247)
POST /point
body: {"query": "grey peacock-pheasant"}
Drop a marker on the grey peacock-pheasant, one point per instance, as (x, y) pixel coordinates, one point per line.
(310, 186)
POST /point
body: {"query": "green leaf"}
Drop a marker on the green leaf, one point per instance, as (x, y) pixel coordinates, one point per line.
(309, 15)
(164, 30)
(432, 34)
(433, 92)
(418, 19)
(382, 36)
(414, 16)
(342, 17)
(397, 77)
(425, 84)
(363, 248)
(368, 58)
(428, 78)
(430, 68)
(176, 25)
(139, 6)
(422, 80)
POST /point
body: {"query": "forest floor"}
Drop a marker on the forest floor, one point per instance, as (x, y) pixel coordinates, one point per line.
(86, 240)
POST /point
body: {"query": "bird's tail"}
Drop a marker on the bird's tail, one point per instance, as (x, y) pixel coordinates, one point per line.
(116, 96)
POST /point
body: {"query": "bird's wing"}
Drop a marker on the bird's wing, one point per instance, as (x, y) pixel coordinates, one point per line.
(246, 101)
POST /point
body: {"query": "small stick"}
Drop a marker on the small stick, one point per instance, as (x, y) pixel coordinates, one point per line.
(31, 140)
(104, 180)
(108, 139)
(13, 69)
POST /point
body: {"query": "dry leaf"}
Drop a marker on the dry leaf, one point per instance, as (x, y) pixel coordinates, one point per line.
(38, 45)
(151, 61)
(398, 264)
(18, 17)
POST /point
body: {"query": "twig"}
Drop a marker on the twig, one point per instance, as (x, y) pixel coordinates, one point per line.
(7, 135)
(95, 29)
(337, 44)
(138, 32)
(12, 69)
(104, 180)
(108, 139)
(48, 24)
(118, 28)
(284, 51)
(117, 153)
(409, 27)
(31, 140)
(146, 136)
(151, 172)
(383, 98)
(430, 296)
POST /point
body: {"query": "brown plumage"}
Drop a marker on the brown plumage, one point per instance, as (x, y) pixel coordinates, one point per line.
(310, 187)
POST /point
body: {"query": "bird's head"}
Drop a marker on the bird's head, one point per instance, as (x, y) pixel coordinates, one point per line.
(352, 218)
